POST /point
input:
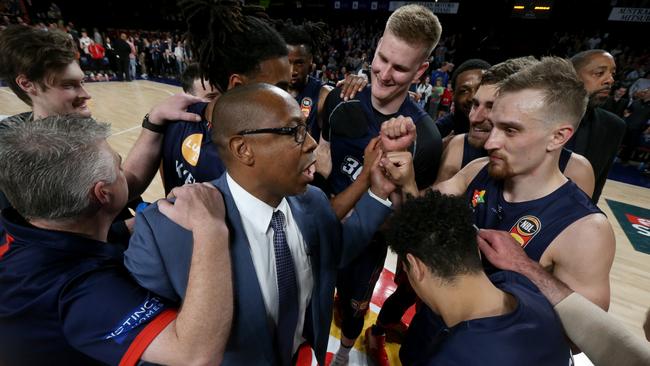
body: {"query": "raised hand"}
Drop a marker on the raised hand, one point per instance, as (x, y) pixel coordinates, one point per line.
(197, 206)
(397, 134)
(502, 250)
(351, 85)
(174, 108)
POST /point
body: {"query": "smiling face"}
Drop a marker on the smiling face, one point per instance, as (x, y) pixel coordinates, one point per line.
(517, 142)
(63, 93)
(395, 67)
(598, 76)
(479, 124)
(466, 84)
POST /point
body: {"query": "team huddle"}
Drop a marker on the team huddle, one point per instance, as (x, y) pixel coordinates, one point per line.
(282, 192)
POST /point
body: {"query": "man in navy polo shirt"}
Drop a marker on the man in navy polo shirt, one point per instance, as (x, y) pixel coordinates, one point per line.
(66, 298)
(477, 320)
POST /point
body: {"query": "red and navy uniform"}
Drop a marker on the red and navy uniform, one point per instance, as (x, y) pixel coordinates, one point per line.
(188, 154)
(530, 335)
(534, 224)
(349, 127)
(471, 153)
(69, 300)
(308, 101)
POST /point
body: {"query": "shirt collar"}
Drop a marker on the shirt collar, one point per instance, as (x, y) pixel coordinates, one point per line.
(254, 210)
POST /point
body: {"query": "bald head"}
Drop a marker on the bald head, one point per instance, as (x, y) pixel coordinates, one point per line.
(246, 107)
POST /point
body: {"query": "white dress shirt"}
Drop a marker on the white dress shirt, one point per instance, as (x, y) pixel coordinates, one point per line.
(256, 219)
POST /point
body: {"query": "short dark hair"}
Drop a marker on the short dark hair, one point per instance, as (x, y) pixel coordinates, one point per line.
(35, 53)
(580, 59)
(501, 71)
(226, 40)
(471, 64)
(437, 229)
(190, 74)
(312, 35)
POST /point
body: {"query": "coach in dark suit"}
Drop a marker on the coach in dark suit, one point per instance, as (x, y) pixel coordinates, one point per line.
(286, 243)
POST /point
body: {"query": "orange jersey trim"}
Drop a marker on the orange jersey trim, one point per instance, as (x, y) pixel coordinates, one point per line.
(146, 336)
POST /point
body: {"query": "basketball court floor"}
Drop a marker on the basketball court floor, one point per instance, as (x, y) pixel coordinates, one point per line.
(627, 207)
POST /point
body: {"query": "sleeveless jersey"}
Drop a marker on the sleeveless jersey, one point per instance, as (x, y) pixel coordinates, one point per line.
(352, 125)
(534, 224)
(188, 154)
(308, 102)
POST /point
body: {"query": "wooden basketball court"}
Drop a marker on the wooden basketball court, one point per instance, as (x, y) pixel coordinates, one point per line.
(124, 104)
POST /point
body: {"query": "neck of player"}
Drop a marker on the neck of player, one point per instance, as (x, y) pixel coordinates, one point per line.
(468, 297)
(543, 180)
(94, 227)
(388, 107)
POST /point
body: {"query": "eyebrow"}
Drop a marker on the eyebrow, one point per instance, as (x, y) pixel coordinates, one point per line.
(381, 55)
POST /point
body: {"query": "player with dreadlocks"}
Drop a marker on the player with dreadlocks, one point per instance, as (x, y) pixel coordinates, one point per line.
(234, 45)
(303, 41)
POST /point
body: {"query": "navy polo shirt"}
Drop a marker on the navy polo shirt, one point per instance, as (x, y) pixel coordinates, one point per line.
(529, 335)
(68, 300)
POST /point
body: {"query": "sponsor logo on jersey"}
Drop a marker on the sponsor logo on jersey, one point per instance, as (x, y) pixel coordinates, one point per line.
(305, 106)
(478, 197)
(525, 229)
(191, 148)
(145, 312)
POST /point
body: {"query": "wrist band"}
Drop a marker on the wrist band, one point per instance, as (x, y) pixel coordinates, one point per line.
(153, 127)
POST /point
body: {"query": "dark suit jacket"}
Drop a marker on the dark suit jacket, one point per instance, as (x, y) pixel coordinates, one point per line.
(160, 251)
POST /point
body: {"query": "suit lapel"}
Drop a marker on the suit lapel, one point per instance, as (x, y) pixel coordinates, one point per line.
(250, 310)
(309, 231)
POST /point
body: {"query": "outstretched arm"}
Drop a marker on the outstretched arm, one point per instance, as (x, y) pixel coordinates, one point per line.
(144, 158)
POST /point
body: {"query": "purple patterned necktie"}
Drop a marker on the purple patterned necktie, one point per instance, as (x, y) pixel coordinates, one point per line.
(287, 290)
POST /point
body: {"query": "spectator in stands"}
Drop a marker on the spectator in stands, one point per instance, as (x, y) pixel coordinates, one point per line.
(618, 102)
(443, 73)
(122, 54)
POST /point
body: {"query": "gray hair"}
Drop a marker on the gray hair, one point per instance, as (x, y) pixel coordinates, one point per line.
(48, 167)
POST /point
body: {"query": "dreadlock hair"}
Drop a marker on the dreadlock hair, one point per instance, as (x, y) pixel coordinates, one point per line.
(229, 38)
(312, 35)
(437, 229)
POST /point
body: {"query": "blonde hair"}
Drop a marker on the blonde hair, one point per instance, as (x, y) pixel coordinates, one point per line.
(564, 94)
(416, 25)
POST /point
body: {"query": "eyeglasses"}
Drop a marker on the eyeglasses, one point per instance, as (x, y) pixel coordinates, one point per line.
(299, 132)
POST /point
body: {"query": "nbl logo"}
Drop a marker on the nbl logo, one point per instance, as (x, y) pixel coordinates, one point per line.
(525, 229)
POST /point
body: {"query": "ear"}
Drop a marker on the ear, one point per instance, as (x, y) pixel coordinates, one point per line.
(102, 193)
(241, 151)
(26, 85)
(421, 70)
(236, 80)
(417, 268)
(561, 135)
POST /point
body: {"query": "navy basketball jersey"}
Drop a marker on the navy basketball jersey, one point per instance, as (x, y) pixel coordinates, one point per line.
(470, 152)
(308, 102)
(351, 125)
(188, 154)
(534, 224)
